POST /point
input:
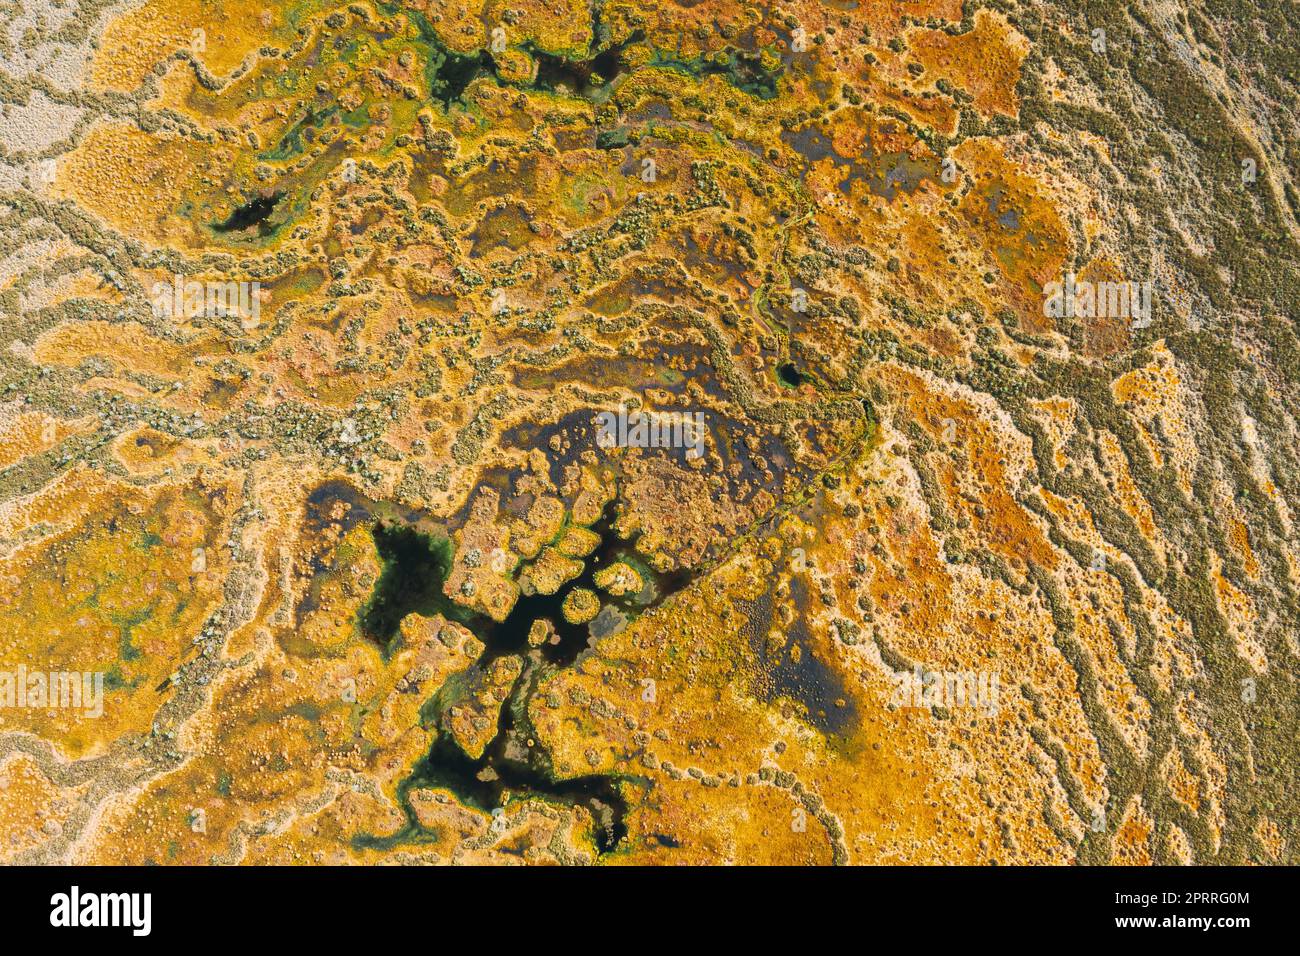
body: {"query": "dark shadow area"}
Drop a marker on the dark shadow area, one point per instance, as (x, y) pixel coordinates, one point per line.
(415, 566)
(790, 375)
(251, 214)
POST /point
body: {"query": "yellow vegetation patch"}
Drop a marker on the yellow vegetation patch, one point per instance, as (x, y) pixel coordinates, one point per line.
(985, 61)
(114, 599)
